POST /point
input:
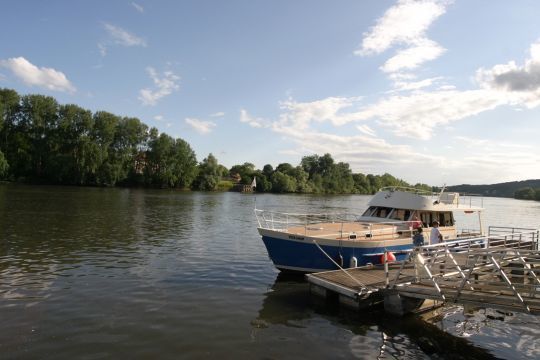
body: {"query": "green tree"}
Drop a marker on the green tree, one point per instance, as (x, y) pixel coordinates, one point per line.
(310, 164)
(526, 193)
(267, 171)
(36, 125)
(285, 168)
(282, 183)
(73, 160)
(9, 111)
(246, 172)
(3, 166)
(361, 184)
(208, 174)
(185, 164)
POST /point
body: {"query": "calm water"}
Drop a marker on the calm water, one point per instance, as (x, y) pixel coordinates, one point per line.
(100, 273)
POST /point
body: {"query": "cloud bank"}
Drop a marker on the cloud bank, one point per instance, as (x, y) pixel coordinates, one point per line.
(200, 126)
(33, 75)
(163, 85)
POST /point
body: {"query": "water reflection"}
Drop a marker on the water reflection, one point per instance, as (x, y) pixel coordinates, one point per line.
(116, 273)
(287, 301)
(374, 334)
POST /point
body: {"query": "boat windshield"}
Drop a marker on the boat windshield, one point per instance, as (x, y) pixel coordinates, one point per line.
(445, 218)
(377, 211)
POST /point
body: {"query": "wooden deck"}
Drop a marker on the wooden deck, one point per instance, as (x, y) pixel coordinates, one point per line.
(506, 278)
(351, 231)
(359, 283)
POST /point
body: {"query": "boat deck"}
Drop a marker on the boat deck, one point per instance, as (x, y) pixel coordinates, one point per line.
(350, 230)
(372, 277)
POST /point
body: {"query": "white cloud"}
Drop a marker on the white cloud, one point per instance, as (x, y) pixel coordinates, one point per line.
(102, 49)
(404, 23)
(158, 117)
(218, 114)
(201, 126)
(414, 56)
(366, 130)
(520, 82)
(164, 85)
(137, 7)
(417, 115)
(123, 37)
(300, 115)
(363, 153)
(253, 121)
(415, 85)
(32, 75)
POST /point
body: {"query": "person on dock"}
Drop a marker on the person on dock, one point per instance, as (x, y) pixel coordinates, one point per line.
(435, 237)
(418, 238)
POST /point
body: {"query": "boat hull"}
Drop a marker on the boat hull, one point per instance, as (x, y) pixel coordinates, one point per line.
(294, 253)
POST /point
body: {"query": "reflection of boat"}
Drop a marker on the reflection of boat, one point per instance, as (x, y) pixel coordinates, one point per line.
(288, 300)
(317, 242)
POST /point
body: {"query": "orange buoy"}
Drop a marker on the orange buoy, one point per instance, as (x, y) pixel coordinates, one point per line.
(390, 257)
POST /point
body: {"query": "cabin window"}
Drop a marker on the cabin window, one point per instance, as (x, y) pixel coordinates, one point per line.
(382, 212)
(400, 214)
(369, 211)
(425, 217)
(377, 211)
(446, 219)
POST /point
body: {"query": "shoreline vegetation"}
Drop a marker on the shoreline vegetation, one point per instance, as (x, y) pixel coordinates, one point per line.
(44, 142)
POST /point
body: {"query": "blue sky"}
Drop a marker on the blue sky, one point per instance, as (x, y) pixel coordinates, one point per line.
(432, 91)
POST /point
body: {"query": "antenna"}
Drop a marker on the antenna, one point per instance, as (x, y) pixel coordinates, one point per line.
(440, 194)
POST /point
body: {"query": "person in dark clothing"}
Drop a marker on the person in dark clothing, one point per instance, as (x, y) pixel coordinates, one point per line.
(418, 238)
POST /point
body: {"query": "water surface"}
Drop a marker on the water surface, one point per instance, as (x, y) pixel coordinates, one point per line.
(100, 273)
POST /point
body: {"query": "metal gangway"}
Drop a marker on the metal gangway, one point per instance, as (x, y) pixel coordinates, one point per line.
(499, 271)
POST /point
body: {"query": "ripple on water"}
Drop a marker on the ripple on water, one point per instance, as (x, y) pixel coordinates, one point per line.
(105, 273)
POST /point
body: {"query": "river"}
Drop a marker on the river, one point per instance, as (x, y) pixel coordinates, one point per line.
(96, 273)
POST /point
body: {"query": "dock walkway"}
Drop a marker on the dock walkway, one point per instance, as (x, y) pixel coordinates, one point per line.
(501, 272)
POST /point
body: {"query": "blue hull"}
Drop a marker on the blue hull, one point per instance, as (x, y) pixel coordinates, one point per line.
(307, 257)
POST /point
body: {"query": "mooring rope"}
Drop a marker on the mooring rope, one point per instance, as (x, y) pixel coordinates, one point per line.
(342, 269)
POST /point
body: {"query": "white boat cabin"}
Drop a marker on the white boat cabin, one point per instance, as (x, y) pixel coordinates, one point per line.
(420, 209)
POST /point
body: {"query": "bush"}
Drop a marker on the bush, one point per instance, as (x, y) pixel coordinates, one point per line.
(224, 185)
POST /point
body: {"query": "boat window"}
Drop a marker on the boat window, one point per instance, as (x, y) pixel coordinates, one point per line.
(400, 214)
(446, 218)
(426, 219)
(381, 212)
(377, 211)
(369, 211)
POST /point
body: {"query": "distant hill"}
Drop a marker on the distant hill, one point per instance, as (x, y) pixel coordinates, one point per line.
(506, 189)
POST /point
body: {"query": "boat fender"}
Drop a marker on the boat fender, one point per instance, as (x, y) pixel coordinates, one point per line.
(339, 260)
(390, 257)
(353, 262)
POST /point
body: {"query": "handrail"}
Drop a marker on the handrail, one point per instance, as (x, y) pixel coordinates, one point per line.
(454, 263)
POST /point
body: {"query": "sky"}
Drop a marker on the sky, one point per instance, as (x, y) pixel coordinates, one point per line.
(431, 91)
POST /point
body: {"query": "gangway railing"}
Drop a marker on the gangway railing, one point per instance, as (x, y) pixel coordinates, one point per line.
(501, 271)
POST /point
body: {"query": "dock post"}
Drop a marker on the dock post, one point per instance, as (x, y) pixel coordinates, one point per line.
(398, 305)
(393, 303)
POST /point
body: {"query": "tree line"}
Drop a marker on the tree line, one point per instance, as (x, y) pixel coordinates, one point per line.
(42, 141)
(528, 193)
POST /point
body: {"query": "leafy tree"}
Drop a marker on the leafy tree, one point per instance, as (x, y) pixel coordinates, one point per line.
(3, 165)
(282, 183)
(267, 171)
(285, 168)
(72, 162)
(208, 176)
(526, 193)
(246, 172)
(361, 184)
(9, 111)
(310, 164)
